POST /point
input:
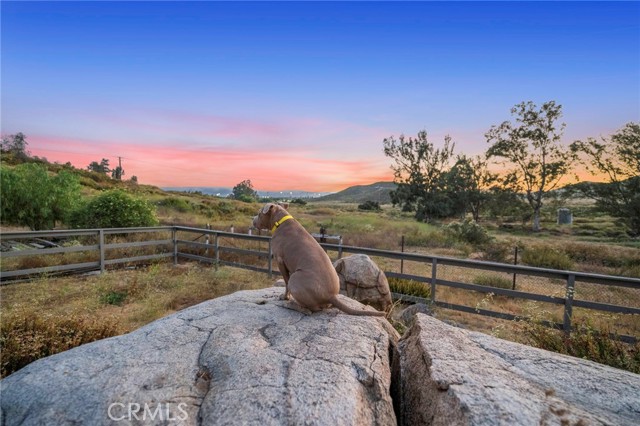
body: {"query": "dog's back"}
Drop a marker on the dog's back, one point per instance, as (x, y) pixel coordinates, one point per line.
(300, 252)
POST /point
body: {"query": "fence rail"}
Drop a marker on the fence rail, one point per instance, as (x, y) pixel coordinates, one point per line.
(166, 244)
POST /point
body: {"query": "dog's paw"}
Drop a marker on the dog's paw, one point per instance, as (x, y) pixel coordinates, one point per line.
(285, 296)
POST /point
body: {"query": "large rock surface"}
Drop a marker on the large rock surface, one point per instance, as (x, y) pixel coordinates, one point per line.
(250, 359)
(244, 359)
(451, 376)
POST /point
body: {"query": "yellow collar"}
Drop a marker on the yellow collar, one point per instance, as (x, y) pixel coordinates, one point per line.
(280, 222)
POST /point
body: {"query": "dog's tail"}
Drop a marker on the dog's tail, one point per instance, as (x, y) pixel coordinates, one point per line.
(349, 310)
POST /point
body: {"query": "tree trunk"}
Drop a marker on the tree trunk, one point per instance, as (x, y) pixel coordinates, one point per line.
(536, 220)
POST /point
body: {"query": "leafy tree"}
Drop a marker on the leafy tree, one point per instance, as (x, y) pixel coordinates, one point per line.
(101, 167)
(117, 173)
(31, 197)
(618, 158)
(468, 183)
(532, 147)
(244, 192)
(503, 202)
(16, 145)
(419, 173)
(114, 209)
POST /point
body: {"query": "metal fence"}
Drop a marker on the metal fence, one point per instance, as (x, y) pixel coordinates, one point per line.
(97, 249)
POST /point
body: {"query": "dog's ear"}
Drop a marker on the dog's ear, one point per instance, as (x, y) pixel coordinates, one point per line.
(284, 205)
(267, 208)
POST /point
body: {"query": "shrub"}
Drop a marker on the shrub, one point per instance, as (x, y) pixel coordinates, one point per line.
(546, 257)
(225, 208)
(468, 232)
(176, 203)
(369, 205)
(26, 336)
(114, 298)
(585, 341)
(114, 209)
(31, 197)
(410, 287)
(497, 251)
(492, 280)
(602, 255)
(430, 238)
(245, 198)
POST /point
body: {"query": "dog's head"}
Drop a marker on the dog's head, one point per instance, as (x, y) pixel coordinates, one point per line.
(268, 215)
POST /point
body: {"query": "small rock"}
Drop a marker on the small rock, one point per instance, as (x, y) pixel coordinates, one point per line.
(361, 279)
(409, 313)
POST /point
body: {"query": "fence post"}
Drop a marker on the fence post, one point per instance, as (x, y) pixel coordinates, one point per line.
(402, 251)
(101, 245)
(216, 249)
(174, 237)
(207, 241)
(340, 248)
(434, 267)
(515, 262)
(568, 303)
(270, 260)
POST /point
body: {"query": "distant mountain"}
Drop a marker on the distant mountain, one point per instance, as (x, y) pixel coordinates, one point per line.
(378, 191)
(223, 192)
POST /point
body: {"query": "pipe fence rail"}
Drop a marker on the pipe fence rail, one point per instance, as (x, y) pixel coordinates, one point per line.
(96, 249)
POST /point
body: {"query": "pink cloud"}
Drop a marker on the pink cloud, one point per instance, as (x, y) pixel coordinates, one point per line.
(152, 123)
(268, 169)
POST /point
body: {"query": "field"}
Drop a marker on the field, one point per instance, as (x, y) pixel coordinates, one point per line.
(52, 314)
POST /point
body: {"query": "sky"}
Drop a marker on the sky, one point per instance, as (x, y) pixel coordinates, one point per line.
(300, 95)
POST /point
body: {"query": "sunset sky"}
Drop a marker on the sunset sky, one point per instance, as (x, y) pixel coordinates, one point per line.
(300, 95)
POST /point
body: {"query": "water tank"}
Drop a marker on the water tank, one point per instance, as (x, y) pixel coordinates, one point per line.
(565, 217)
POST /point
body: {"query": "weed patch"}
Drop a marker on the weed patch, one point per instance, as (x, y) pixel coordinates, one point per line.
(114, 298)
(493, 280)
(27, 335)
(410, 287)
(546, 257)
(585, 342)
(468, 232)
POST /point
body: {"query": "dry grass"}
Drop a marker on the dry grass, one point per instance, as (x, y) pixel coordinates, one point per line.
(46, 316)
(27, 335)
(129, 299)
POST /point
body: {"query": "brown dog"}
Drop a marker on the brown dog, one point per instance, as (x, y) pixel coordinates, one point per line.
(308, 273)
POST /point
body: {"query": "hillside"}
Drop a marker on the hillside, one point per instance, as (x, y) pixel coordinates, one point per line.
(378, 191)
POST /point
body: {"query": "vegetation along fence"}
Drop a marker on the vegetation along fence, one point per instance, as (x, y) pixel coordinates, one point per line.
(29, 254)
